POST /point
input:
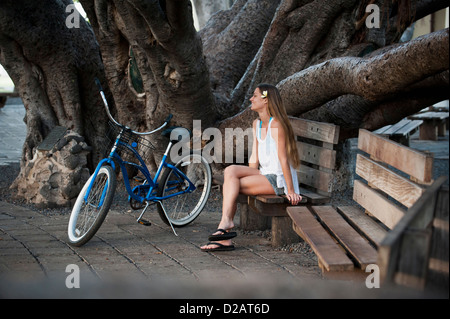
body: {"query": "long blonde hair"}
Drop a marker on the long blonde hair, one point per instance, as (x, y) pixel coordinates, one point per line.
(277, 110)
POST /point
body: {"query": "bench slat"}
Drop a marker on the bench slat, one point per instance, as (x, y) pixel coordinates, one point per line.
(382, 130)
(409, 128)
(316, 155)
(320, 180)
(314, 198)
(331, 256)
(359, 248)
(378, 205)
(400, 188)
(430, 116)
(394, 128)
(363, 223)
(412, 162)
(320, 131)
(270, 199)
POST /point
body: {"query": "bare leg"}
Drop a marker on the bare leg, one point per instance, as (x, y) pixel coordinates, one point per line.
(239, 179)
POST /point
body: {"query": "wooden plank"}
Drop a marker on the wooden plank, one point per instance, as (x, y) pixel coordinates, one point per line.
(401, 189)
(314, 198)
(9, 94)
(413, 219)
(282, 232)
(379, 206)
(412, 162)
(317, 179)
(319, 131)
(394, 251)
(317, 155)
(382, 130)
(362, 252)
(270, 199)
(267, 209)
(409, 128)
(363, 223)
(430, 116)
(438, 266)
(394, 128)
(331, 256)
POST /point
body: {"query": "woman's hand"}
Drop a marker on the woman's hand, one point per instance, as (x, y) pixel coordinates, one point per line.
(294, 198)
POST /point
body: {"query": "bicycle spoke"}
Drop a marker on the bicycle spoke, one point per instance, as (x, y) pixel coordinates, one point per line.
(184, 208)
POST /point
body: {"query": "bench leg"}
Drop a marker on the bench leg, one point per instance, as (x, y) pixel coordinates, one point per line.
(428, 131)
(283, 233)
(401, 139)
(441, 128)
(252, 221)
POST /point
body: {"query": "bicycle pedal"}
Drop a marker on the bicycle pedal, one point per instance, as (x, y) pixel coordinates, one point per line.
(144, 222)
(138, 179)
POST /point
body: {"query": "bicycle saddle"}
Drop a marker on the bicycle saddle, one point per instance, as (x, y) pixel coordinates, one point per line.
(177, 134)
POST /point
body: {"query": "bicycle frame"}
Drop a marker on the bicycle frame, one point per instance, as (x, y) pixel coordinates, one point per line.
(151, 184)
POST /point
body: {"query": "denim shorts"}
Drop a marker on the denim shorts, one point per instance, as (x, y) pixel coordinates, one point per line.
(273, 181)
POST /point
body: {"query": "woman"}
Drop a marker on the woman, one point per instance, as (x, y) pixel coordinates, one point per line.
(271, 165)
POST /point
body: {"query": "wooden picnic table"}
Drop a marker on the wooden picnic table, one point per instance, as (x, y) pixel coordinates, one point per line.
(434, 124)
(401, 131)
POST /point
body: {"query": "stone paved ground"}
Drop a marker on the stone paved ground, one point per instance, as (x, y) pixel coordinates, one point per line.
(128, 260)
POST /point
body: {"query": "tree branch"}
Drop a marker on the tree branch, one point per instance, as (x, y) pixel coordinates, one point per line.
(371, 78)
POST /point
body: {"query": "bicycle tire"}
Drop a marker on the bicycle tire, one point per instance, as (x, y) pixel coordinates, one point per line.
(84, 221)
(197, 169)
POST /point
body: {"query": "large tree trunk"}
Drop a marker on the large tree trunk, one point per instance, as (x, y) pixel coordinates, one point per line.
(328, 65)
(168, 54)
(52, 67)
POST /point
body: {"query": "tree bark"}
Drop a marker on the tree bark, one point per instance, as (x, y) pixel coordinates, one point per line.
(371, 78)
(52, 67)
(169, 56)
(151, 61)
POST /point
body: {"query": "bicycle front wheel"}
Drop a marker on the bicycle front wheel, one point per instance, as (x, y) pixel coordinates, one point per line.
(185, 208)
(88, 215)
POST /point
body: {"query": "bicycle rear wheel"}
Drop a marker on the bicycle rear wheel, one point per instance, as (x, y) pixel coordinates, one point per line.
(185, 208)
(87, 216)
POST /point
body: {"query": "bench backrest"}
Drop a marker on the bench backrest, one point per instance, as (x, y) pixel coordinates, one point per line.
(415, 252)
(395, 176)
(315, 143)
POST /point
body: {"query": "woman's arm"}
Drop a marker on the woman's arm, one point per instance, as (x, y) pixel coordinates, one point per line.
(254, 161)
(279, 136)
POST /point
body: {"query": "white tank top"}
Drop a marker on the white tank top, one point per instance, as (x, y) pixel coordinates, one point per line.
(268, 159)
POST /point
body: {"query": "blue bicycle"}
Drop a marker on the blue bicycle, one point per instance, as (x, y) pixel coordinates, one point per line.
(181, 188)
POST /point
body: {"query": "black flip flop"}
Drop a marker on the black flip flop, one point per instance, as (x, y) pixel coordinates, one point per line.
(225, 236)
(219, 247)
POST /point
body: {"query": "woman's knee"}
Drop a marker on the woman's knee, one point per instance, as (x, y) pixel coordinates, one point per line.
(230, 172)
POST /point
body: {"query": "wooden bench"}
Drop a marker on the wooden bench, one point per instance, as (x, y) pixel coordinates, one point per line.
(316, 142)
(401, 131)
(434, 124)
(4, 96)
(345, 239)
(415, 253)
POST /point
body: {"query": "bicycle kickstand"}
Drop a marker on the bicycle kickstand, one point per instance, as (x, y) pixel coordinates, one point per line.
(165, 213)
(142, 221)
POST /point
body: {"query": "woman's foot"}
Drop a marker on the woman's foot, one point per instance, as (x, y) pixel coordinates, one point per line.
(224, 245)
(222, 234)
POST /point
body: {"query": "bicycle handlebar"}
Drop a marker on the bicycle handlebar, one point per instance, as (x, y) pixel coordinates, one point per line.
(166, 121)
